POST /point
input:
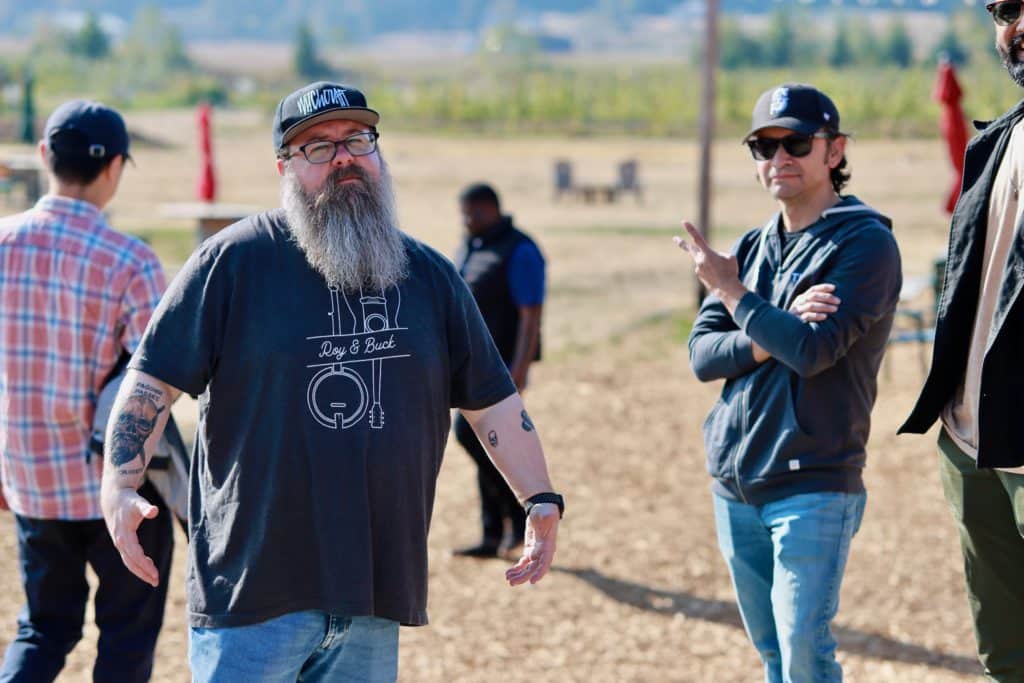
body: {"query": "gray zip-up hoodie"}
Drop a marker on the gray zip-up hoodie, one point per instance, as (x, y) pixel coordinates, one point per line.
(799, 422)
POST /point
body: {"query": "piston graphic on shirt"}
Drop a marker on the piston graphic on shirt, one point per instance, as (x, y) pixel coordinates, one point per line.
(350, 360)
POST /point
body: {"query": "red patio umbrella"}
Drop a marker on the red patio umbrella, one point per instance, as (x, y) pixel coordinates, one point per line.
(206, 187)
(952, 124)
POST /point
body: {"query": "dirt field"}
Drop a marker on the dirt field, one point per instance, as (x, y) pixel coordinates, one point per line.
(639, 592)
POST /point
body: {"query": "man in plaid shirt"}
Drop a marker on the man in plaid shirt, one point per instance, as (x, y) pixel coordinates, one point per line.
(74, 296)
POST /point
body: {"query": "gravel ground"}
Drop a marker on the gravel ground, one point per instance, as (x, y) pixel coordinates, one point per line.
(639, 591)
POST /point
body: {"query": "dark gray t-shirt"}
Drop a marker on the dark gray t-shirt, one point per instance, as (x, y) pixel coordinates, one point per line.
(323, 418)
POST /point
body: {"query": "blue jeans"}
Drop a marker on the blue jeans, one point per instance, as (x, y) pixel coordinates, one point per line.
(303, 647)
(787, 560)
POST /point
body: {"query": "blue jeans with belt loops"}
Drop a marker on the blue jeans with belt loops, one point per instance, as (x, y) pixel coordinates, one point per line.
(787, 559)
(300, 647)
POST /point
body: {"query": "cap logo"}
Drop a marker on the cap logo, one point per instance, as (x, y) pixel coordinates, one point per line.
(321, 99)
(97, 151)
(780, 100)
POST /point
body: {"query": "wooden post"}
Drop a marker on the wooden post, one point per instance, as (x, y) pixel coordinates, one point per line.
(707, 128)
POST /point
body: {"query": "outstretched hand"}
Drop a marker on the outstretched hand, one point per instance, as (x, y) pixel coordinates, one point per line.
(539, 546)
(124, 511)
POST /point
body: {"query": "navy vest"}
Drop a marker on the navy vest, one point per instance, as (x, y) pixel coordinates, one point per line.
(483, 263)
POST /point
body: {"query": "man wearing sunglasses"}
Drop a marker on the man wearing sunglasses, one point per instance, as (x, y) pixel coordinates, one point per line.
(328, 348)
(976, 376)
(796, 323)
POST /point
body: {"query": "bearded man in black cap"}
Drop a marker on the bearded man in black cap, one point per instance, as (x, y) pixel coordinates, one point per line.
(796, 324)
(976, 375)
(328, 348)
(75, 295)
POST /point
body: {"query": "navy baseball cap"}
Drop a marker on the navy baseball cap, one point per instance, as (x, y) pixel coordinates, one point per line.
(86, 129)
(796, 106)
(318, 102)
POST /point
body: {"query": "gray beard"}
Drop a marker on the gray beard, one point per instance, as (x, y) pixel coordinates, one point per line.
(348, 232)
(1009, 57)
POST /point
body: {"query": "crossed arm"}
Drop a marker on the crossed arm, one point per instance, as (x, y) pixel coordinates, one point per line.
(137, 420)
(510, 438)
(808, 338)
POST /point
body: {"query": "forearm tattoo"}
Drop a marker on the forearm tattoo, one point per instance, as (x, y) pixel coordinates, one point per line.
(492, 437)
(135, 423)
(527, 422)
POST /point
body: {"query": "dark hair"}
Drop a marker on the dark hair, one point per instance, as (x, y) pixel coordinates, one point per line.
(480, 192)
(72, 166)
(840, 176)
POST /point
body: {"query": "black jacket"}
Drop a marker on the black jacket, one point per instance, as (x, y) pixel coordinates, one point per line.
(1000, 429)
(482, 261)
(798, 423)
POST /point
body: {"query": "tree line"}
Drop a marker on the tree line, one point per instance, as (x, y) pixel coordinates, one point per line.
(854, 42)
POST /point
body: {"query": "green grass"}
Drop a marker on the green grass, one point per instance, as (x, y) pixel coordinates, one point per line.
(547, 97)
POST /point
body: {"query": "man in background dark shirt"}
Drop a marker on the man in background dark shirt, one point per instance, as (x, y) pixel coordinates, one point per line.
(505, 272)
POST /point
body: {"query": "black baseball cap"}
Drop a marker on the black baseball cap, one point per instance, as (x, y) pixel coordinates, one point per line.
(86, 129)
(796, 106)
(318, 102)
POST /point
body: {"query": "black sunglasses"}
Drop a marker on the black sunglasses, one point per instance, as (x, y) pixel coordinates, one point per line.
(796, 145)
(1006, 12)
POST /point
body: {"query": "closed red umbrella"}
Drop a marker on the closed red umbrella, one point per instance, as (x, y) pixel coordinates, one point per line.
(206, 187)
(952, 124)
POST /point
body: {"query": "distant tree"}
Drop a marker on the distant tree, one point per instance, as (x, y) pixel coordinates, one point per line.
(90, 41)
(950, 47)
(864, 42)
(840, 53)
(154, 50)
(780, 40)
(306, 61)
(736, 49)
(157, 40)
(897, 45)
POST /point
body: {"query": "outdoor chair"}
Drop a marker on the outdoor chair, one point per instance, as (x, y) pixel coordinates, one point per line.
(563, 178)
(915, 324)
(628, 179)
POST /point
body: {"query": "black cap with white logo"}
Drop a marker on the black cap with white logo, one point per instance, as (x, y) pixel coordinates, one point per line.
(82, 129)
(798, 107)
(317, 102)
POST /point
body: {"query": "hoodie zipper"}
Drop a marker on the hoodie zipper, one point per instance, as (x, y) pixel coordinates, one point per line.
(739, 446)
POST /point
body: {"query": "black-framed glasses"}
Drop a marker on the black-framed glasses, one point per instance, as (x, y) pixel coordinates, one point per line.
(796, 145)
(1006, 12)
(324, 151)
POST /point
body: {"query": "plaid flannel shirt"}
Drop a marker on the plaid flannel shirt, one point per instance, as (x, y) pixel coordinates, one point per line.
(73, 294)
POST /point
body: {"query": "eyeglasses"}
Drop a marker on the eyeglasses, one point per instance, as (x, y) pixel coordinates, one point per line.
(796, 145)
(324, 151)
(1006, 12)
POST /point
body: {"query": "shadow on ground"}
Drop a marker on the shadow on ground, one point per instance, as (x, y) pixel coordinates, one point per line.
(670, 603)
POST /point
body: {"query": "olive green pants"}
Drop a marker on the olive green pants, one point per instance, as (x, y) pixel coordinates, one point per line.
(988, 506)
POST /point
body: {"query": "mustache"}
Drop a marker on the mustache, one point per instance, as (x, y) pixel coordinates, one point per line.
(334, 192)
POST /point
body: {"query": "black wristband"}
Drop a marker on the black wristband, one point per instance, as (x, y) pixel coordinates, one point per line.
(546, 497)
